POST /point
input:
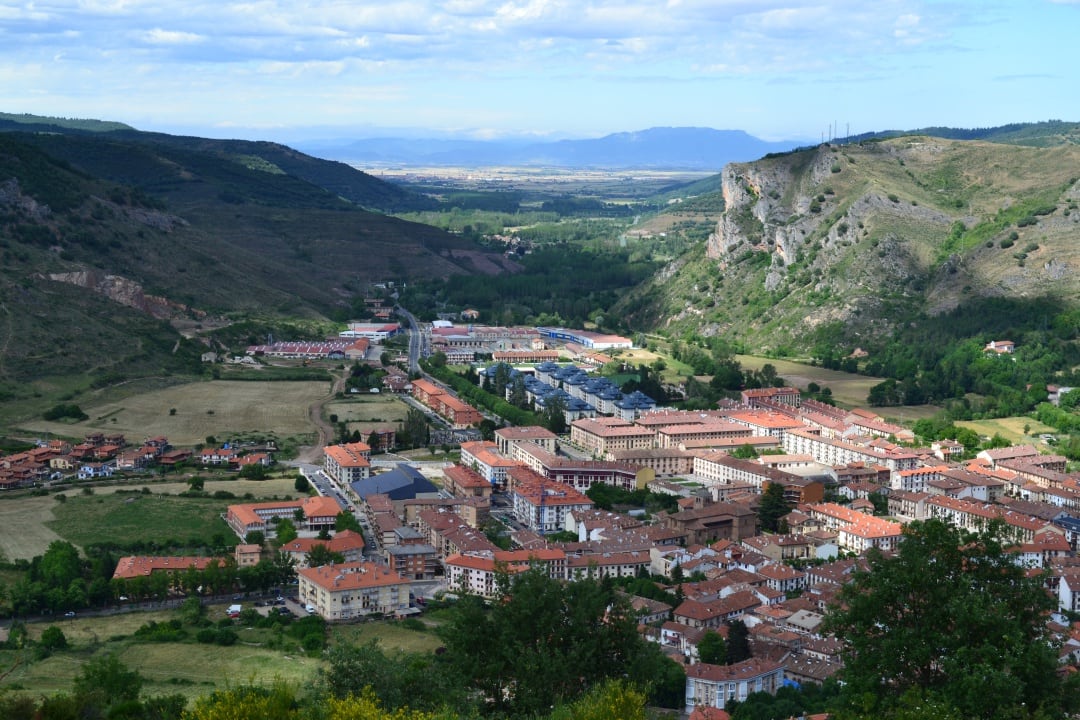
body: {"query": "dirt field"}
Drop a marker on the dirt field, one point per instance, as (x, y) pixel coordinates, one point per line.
(219, 408)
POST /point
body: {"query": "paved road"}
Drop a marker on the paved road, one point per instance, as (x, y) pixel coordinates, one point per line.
(415, 340)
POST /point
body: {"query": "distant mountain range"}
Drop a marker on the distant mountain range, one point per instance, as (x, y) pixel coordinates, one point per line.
(680, 148)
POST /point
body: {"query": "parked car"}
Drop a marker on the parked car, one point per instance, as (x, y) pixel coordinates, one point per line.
(69, 614)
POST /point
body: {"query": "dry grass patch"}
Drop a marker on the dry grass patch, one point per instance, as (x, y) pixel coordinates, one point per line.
(219, 408)
(1010, 428)
(25, 526)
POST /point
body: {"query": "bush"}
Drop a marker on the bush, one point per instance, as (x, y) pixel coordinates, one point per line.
(1007, 242)
(59, 412)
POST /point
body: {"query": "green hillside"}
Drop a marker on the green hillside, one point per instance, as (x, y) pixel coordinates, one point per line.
(859, 236)
(106, 241)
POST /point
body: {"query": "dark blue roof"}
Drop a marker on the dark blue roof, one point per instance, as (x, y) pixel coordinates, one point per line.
(404, 483)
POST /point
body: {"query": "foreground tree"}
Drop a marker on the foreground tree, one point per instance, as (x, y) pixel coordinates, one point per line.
(953, 620)
(548, 642)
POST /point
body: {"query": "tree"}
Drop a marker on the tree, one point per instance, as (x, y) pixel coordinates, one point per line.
(196, 484)
(738, 642)
(712, 649)
(745, 451)
(255, 537)
(773, 507)
(546, 643)
(110, 677)
(286, 531)
(320, 555)
(952, 617)
(53, 638)
(254, 471)
(301, 484)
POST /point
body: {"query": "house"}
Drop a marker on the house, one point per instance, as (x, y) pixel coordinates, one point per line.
(94, 470)
(1001, 347)
(717, 686)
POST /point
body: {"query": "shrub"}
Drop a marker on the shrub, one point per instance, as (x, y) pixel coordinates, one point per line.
(894, 197)
(1007, 242)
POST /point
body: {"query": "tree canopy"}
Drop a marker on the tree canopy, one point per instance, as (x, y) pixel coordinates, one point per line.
(549, 642)
(950, 619)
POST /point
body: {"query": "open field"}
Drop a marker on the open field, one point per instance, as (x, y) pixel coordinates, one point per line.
(28, 521)
(367, 412)
(219, 408)
(1010, 428)
(849, 390)
(25, 521)
(391, 636)
(86, 519)
(188, 668)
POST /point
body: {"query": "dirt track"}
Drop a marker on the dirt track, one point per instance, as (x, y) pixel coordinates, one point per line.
(313, 453)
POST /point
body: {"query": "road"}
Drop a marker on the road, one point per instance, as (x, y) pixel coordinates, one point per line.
(415, 340)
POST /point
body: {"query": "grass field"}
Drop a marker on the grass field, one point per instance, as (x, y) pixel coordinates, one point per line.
(848, 390)
(368, 412)
(390, 635)
(219, 408)
(29, 522)
(26, 522)
(1010, 428)
(188, 668)
(86, 519)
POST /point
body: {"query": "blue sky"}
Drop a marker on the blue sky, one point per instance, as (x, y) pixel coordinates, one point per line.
(779, 69)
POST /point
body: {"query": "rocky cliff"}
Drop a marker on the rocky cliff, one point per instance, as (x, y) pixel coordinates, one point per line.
(857, 235)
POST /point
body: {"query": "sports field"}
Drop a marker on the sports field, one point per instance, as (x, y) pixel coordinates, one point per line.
(188, 414)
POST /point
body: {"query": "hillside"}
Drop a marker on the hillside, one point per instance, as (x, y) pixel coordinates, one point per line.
(843, 243)
(166, 231)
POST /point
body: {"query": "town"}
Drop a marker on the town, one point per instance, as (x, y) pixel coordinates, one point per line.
(752, 515)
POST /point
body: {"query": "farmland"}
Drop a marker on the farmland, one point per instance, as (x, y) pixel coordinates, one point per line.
(188, 414)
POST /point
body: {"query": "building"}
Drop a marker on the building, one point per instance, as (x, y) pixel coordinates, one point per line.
(134, 566)
(353, 590)
(717, 686)
(347, 463)
(348, 543)
(542, 506)
(507, 438)
(318, 513)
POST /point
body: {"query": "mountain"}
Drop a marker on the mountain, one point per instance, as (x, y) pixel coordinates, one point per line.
(107, 237)
(847, 244)
(669, 148)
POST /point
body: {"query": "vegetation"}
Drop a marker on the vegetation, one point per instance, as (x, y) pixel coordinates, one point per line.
(951, 620)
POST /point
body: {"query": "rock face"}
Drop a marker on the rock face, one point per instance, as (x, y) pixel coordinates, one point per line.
(126, 292)
(858, 235)
(11, 195)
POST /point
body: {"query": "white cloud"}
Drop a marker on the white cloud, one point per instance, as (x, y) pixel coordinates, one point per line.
(157, 36)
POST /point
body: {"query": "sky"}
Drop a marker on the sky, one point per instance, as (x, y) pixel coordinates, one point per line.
(778, 69)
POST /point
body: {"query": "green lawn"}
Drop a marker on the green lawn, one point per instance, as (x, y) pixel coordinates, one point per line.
(88, 519)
